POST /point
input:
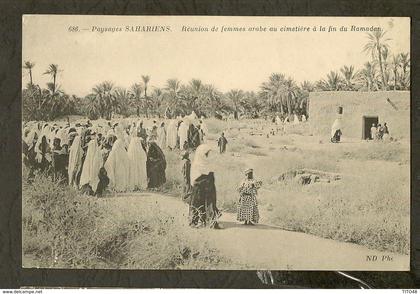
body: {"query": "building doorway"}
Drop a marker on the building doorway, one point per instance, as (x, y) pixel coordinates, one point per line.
(367, 124)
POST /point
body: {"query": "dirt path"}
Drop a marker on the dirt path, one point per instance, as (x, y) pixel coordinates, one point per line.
(266, 246)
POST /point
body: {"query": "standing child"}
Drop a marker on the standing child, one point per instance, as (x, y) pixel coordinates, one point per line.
(248, 205)
(222, 142)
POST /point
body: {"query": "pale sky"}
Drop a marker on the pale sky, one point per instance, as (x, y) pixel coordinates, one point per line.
(228, 60)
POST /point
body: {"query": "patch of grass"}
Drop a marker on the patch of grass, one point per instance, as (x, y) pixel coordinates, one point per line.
(256, 152)
(250, 143)
(64, 229)
(386, 151)
(173, 172)
(298, 129)
(55, 215)
(368, 211)
(216, 126)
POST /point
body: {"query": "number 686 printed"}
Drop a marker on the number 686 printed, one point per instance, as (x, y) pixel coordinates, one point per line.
(73, 29)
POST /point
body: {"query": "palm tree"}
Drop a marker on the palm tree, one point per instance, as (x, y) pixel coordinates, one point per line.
(146, 80)
(192, 94)
(122, 97)
(235, 96)
(54, 101)
(395, 65)
(196, 87)
(376, 45)
(91, 107)
(158, 99)
(172, 88)
(290, 91)
(405, 66)
(368, 75)
(273, 90)
(349, 76)
(135, 93)
(405, 61)
(52, 71)
(29, 66)
(307, 86)
(211, 99)
(106, 100)
(386, 63)
(333, 82)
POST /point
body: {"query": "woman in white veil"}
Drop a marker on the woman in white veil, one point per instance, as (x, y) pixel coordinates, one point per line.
(161, 136)
(172, 134)
(91, 166)
(75, 160)
(116, 167)
(137, 164)
(336, 131)
(201, 164)
(203, 208)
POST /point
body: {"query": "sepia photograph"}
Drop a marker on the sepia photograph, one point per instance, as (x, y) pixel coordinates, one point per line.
(216, 143)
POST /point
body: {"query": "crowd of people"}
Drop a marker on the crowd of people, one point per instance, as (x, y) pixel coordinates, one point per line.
(285, 119)
(379, 132)
(124, 156)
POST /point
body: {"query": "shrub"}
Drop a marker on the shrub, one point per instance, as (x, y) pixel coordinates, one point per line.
(60, 218)
(64, 229)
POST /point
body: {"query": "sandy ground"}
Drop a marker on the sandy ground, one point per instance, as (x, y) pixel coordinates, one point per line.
(265, 246)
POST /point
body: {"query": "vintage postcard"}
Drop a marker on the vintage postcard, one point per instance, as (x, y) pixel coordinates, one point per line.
(207, 142)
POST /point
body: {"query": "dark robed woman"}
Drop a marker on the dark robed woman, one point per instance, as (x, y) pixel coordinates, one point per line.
(193, 137)
(155, 166)
(203, 208)
(43, 154)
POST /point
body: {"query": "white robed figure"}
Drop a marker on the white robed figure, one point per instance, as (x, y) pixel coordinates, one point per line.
(295, 119)
(75, 160)
(202, 163)
(45, 132)
(183, 133)
(278, 120)
(192, 116)
(137, 164)
(161, 136)
(336, 131)
(335, 126)
(91, 166)
(172, 134)
(117, 167)
(121, 134)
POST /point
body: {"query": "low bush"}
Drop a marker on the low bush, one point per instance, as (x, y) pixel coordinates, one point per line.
(65, 230)
(55, 215)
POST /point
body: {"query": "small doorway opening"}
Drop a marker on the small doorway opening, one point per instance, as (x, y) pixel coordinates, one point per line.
(367, 124)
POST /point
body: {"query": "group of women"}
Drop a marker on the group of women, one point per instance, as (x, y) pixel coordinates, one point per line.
(92, 158)
(125, 157)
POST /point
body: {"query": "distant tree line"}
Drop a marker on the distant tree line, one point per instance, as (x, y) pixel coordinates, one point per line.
(278, 95)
